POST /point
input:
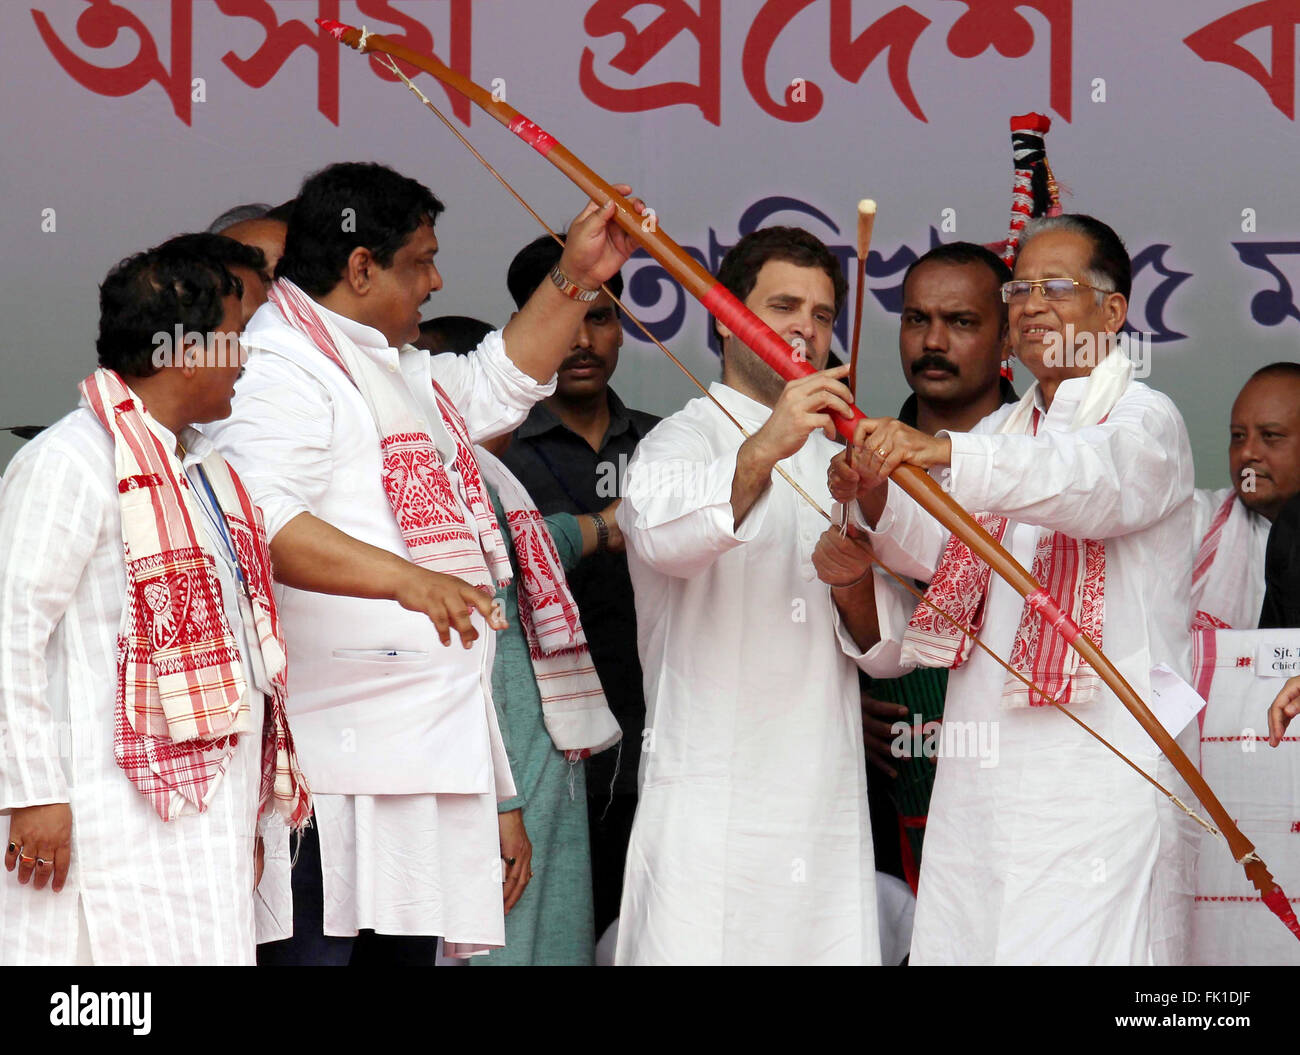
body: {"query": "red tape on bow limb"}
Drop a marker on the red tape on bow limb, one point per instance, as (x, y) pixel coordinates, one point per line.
(779, 355)
(1041, 602)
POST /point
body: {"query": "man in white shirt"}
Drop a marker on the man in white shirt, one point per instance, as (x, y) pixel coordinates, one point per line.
(1228, 590)
(1232, 524)
(1055, 852)
(357, 447)
(752, 841)
(98, 874)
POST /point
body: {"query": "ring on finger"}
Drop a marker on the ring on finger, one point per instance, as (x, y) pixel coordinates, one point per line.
(42, 863)
(26, 860)
(13, 848)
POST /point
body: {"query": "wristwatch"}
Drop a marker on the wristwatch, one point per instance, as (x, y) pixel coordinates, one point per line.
(570, 288)
(602, 532)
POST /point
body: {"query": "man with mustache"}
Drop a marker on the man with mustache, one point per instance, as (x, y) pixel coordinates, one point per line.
(1058, 853)
(952, 339)
(570, 453)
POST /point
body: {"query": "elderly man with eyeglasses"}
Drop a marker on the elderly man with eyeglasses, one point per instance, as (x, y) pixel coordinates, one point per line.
(1051, 851)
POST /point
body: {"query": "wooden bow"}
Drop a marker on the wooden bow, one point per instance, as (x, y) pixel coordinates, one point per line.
(791, 364)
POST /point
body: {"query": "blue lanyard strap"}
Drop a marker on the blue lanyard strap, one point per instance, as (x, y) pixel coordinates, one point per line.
(220, 519)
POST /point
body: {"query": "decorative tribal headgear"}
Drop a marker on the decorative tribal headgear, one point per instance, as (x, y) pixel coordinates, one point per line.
(1034, 191)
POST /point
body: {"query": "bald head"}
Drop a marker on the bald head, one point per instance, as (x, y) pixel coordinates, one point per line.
(267, 235)
(1264, 444)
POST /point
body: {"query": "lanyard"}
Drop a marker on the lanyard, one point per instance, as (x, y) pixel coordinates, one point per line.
(219, 520)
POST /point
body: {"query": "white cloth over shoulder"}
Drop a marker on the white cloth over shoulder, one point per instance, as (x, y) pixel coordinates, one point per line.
(752, 840)
(396, 733)
(1054, 851)
(152, 892)
(1229, 589)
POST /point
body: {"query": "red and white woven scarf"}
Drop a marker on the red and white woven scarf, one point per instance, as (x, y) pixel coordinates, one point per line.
(182, 697)
(574, 707)
(1218, 598)
(1072, 572)
(419, 487)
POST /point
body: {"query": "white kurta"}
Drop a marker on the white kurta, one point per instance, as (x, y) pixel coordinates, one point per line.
(396, 734)
(752, 839)
(149, 892)
(1051, 850)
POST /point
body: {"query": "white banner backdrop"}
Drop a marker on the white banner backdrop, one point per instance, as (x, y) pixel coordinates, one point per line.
(125, 123)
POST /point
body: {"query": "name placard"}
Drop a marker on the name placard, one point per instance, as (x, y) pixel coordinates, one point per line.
(1277, 661)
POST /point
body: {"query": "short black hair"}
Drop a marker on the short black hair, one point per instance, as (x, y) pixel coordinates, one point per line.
(1109, 267)
(740, 267)
(219, 249)
(179, 283)
(961, 254)
(453, 333)
(281, 212)
(533, 263)
(345, 206)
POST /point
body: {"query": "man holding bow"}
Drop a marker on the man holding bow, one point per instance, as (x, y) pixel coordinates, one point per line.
(1055, 854)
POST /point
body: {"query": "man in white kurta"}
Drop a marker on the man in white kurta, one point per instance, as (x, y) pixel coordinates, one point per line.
(395, 729)
(1257, 787)
(1057, 852)
(752, 839)
(139, 890)
(408, 773)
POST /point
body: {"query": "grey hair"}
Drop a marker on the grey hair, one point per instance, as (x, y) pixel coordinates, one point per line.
(1109, 268)
(252, 211)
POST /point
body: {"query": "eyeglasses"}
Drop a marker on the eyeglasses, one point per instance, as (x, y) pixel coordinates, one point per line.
(1017, 292)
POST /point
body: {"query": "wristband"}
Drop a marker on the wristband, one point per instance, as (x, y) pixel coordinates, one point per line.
(570, 288)
(602, 532)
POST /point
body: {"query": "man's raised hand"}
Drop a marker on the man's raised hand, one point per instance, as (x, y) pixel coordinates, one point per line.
(806, 404)
(595, 246)
(881, 445)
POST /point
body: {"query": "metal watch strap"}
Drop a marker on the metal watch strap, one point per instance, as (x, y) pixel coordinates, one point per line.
(602, 532)
(571, 289)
